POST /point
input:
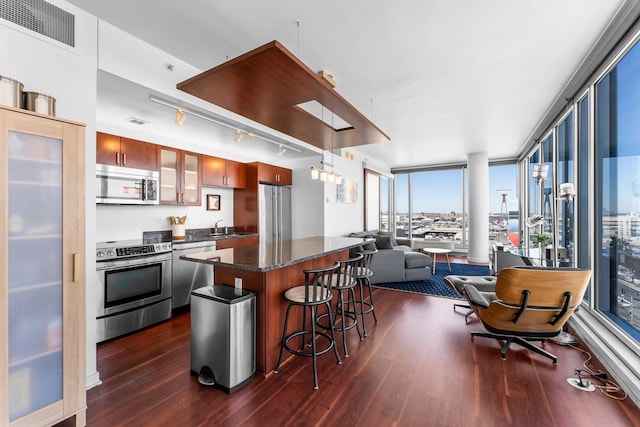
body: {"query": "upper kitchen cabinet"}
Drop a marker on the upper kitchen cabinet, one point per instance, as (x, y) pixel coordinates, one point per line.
(114, 150)
(179, 177)
(218, 172)
(42, 269)
(274, 174)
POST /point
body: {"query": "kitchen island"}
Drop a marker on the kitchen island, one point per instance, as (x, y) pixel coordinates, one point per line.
(269, 269)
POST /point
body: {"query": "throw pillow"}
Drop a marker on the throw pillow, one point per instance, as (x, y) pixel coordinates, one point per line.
(391, 235)
(383, 242)
(369, 246)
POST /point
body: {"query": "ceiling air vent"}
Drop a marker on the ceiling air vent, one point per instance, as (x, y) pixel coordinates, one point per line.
(40, 17)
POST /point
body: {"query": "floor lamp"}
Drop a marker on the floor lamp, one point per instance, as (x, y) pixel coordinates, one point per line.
(504, 217)
(567, 193)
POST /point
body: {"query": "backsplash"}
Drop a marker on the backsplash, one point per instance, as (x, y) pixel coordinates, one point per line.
(124, 222)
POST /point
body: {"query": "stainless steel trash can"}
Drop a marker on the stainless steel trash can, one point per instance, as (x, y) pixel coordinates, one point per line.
(223, 336)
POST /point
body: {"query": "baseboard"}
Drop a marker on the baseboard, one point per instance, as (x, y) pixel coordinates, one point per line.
(93, 380)
(622, 362)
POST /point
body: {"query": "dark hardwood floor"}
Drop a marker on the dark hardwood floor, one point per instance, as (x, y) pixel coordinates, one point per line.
(417, 367)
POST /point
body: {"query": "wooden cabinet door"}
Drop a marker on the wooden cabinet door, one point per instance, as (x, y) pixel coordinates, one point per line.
(108, 149)
(267, 173)
(219, 172)
(237, 242)
(114, 150)
(284, 176)
(274, 174)
(213, 171)
(138, 154)
(236, 174)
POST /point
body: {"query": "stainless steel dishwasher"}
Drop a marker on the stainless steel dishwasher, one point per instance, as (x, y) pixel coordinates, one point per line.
(189, 275)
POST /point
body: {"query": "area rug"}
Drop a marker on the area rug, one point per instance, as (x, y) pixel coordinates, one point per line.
(435, 286)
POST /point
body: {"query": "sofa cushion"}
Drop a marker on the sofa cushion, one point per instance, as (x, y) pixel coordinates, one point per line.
(391, 235)
(383, 242)
(415, 260)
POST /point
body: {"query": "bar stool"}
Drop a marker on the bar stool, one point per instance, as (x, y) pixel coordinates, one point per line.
(344, 281)
(363, 274)
(315, 292)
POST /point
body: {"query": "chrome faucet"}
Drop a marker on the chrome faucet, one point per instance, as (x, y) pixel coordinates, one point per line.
(215, 226)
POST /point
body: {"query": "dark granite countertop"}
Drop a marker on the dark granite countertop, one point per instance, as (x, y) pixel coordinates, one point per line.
(192, 236)
(270, 256)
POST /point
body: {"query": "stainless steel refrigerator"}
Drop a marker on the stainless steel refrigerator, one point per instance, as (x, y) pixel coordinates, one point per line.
(275, 213)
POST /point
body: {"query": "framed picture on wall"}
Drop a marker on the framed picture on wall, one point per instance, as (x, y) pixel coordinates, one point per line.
(213, 202)
(347, 191)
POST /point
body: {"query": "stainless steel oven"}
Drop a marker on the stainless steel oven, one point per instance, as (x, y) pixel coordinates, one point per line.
(134, 281)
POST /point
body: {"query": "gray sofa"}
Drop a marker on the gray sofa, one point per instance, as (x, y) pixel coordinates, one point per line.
(395, 260)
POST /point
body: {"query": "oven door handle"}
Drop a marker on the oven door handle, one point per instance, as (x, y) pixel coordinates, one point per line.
(133, 261)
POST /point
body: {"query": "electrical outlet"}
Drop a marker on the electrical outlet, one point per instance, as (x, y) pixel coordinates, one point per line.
(238, 282)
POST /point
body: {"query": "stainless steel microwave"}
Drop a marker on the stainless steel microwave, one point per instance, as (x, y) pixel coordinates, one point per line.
(126, 186)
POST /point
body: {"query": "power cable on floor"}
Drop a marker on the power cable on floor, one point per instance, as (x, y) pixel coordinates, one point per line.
(607, 386)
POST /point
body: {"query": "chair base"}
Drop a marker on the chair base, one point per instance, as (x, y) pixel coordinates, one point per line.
(508, 339)
(467, 314)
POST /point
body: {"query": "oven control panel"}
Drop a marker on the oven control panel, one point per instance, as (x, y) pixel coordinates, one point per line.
(109, 252)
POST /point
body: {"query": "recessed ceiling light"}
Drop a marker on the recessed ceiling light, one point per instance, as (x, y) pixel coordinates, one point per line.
(136, 121)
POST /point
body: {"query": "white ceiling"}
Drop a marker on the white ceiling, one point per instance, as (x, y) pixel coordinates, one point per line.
(441, 78)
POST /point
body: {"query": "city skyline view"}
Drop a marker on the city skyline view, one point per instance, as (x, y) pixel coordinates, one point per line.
(441, 191)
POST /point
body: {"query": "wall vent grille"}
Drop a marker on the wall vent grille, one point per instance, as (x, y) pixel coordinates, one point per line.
(40, 17)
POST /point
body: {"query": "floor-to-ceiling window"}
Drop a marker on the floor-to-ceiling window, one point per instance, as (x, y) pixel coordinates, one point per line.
(385, 207)
(503, 204)
(547, 186)
(565, 168)
(402, 223)
(582, 213)
(431, 204)
(437, 204)
(617, 181)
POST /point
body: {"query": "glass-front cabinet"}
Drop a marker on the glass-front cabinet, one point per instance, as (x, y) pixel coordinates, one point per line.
(179, 177)
(42, 272)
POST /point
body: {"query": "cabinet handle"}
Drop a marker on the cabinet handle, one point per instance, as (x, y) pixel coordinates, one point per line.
(124, 159)
(117, 158)
(182, 198)
(178, 197)
(76, 267)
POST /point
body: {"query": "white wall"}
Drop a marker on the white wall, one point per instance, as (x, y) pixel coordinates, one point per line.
(340, 219)
(306, 200)
(70, 77)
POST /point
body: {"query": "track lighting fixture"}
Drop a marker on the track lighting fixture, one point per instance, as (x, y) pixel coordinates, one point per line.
(181, 115)
(281, 150)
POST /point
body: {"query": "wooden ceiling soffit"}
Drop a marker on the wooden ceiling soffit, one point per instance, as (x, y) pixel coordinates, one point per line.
(267, 84)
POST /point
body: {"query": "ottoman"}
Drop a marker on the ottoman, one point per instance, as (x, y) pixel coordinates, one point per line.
(481, 283)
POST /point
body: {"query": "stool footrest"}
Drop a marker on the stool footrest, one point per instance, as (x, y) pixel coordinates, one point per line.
(308, 353)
